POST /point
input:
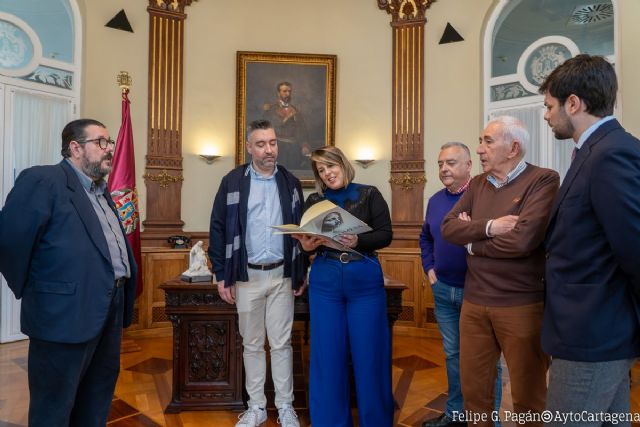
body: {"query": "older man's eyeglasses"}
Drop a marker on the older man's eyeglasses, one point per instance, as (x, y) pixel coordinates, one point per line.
(102, 142)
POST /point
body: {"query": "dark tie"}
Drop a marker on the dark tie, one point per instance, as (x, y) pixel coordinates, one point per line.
(574, 153)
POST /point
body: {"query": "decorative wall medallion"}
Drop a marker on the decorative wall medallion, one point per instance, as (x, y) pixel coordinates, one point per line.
(541, 58)
(544, 60)
(20, 47)
(14, 46)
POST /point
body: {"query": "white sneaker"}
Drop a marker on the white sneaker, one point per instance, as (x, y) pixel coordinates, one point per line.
(252, 417)
(287, 417)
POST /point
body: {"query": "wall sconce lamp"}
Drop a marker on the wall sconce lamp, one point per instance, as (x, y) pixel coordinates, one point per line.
(364, 162)
(209, 158)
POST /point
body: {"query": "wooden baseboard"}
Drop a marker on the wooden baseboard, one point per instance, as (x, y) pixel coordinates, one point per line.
(149, 333)
(406, 331)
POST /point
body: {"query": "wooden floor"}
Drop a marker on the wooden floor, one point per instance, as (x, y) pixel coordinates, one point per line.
(144, 386)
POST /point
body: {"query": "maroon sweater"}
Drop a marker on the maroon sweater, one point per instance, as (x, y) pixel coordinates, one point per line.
(505, 270)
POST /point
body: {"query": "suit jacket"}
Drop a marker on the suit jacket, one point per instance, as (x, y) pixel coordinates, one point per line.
(593, 247)
(55, 257)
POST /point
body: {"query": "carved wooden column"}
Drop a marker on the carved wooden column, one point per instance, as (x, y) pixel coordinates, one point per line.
(407, 118)
(163, 173)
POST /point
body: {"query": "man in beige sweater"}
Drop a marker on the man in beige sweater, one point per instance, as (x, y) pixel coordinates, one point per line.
(501, 219)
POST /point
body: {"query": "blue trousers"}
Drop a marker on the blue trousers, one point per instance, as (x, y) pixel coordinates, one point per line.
(347, 304)
(71, 385)
(448, 303)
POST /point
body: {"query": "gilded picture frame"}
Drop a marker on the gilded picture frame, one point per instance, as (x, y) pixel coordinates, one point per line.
(297, 93)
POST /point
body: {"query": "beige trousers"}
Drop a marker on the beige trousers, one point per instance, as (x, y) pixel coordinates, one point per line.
(265, 307)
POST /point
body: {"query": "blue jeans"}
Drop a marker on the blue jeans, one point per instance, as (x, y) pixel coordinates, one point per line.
(448, 303)
(593, 387)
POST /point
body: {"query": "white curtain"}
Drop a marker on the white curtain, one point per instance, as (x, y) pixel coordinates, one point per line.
(34, 122)
(37, 121)
(544, 149)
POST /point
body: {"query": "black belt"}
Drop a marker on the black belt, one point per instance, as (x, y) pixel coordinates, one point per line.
(265, 267)
(343, 257)
(121, 282)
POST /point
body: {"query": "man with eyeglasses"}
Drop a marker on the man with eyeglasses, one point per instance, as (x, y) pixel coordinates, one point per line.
(64, 253)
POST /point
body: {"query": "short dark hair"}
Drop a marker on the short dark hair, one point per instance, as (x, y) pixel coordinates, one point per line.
(258, 124)
(75, 131)
(590, 78)
(283, 84)
(460, 145)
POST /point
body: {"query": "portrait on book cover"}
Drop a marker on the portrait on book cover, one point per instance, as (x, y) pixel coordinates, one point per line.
(331, 221)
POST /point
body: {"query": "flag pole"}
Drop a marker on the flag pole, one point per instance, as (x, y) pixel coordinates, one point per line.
(127, 345)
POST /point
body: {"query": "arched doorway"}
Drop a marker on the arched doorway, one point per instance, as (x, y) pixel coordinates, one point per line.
(524, 41)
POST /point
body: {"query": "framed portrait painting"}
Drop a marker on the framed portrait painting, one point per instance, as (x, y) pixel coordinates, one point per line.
(297, 94)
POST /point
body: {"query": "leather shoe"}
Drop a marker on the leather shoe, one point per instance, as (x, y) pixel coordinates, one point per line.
(443, 421)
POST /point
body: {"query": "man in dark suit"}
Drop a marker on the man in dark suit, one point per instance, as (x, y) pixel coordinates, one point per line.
(64, 253)
(289, 124)
(591, 324)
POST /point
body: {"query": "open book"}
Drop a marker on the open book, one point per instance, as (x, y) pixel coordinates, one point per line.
(325, 219)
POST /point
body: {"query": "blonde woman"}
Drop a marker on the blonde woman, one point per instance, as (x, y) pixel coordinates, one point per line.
(347, 303)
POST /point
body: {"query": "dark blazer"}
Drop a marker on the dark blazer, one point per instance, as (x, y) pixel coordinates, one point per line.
(593, 253)
(55, 257)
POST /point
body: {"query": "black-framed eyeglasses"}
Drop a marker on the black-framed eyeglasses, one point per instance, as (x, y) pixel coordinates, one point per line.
(102, 142)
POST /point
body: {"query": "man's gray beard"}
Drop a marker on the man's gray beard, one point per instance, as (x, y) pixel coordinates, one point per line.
(94, 170)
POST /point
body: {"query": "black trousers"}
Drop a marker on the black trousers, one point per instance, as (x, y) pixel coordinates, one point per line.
(71, 385)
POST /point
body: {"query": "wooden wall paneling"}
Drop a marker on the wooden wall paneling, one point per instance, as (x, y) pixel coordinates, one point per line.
(417, 316)
(136, 321)
(162, 265)
(159, 265)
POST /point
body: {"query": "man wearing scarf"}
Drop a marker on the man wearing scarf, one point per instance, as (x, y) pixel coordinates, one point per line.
(258, 270)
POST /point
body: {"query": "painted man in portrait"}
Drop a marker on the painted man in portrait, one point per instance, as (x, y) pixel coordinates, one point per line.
(289, 125)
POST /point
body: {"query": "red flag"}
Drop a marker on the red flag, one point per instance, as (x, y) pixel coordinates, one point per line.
(122, 185)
